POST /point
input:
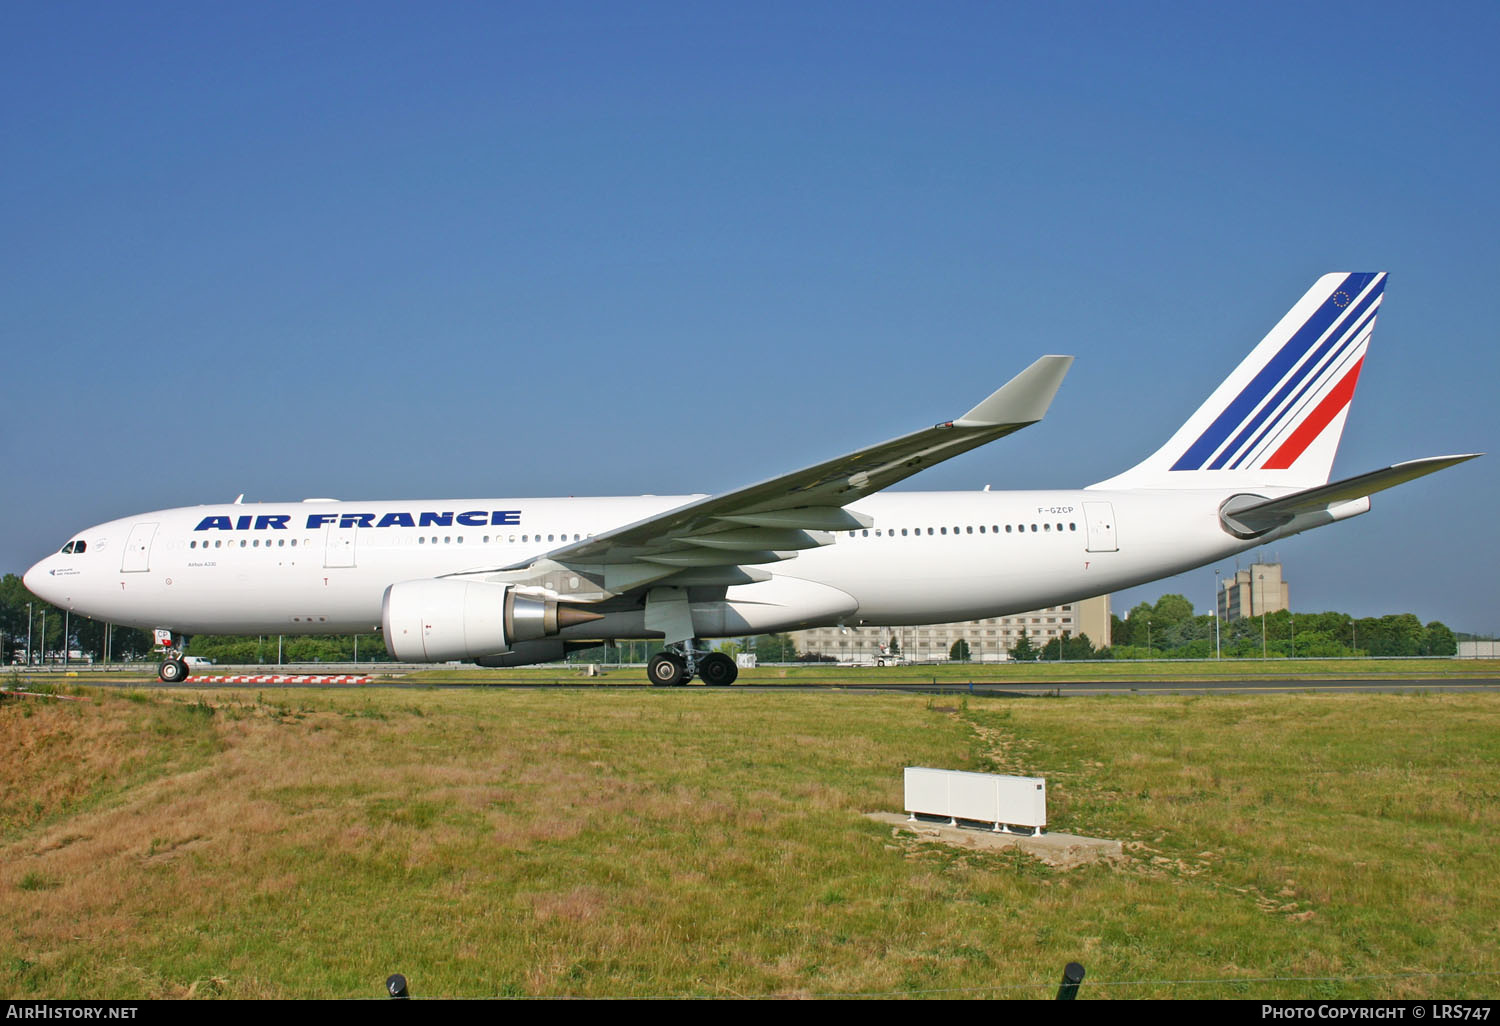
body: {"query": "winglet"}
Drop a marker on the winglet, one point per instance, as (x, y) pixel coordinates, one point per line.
(1023, 399)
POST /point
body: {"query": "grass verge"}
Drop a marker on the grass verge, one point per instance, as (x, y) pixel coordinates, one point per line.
(711, 842)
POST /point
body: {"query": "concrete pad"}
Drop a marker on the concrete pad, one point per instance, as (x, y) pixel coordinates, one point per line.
(1061, 851)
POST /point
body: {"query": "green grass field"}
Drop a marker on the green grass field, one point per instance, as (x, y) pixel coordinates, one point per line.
(683, 842)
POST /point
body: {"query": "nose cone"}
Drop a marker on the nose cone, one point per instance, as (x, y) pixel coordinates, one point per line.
(40, 582)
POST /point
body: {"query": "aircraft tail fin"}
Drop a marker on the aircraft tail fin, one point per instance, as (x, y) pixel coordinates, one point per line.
(1276, 420)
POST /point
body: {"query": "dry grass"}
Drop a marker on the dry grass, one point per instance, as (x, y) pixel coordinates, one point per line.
(711, 842)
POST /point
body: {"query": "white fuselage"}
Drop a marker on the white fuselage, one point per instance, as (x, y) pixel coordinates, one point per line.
(323, 567)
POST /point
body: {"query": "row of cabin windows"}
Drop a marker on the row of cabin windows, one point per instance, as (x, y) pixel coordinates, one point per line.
(255, 543)
(993, 529)
(78, 546)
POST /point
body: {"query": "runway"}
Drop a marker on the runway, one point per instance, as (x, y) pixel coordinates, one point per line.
(996, 689)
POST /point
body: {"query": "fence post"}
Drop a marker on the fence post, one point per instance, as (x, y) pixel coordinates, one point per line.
(1072, 977)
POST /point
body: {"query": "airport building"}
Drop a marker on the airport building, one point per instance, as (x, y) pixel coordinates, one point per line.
(1260, 589)
(989, 640)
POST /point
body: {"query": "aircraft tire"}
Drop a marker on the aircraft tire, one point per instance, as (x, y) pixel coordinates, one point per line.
(172, 671)
(667, 670)
(718, 670)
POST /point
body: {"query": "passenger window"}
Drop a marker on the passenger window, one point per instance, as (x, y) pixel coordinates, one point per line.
(944, 530)
(903, 532)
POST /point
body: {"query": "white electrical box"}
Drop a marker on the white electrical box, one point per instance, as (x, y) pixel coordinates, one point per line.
(1006, 802)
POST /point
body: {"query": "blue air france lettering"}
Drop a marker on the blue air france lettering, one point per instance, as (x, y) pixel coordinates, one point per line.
(425, 518)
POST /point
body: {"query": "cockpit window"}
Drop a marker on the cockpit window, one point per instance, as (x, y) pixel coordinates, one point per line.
(68, 547)
(74, 546)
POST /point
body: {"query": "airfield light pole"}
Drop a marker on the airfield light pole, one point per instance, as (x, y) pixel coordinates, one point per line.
(1262, 615)
(44, 637)
(28, 634)
(1149, 652)
(67, 648)
(1218, 649)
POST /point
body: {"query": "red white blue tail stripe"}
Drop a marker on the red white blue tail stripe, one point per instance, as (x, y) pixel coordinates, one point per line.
(1277, 419)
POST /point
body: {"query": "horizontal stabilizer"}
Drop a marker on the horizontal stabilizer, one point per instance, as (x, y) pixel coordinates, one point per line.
(1269, 514)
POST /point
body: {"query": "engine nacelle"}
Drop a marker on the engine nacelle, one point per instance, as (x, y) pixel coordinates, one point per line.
(435, 620)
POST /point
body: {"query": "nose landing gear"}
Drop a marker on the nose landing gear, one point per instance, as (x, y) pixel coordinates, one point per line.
(174, 669)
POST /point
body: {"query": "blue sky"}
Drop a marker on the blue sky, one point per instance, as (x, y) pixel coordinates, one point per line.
(398, 250)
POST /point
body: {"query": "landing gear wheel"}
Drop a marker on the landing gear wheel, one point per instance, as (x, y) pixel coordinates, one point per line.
(172, 671)
(667, 669)
(717, 669)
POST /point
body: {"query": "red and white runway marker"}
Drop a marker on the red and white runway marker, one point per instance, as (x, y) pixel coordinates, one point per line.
(280, 678)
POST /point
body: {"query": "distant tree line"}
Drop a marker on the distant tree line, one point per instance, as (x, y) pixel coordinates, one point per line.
(1169, 629)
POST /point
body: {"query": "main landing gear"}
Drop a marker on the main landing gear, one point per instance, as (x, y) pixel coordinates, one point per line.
(680, 663)
(174, 669)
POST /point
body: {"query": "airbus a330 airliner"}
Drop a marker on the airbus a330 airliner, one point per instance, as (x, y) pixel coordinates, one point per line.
(506, 582)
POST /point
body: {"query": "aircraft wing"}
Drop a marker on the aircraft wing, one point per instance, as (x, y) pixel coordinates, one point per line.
(770, 521)
(1272, 513)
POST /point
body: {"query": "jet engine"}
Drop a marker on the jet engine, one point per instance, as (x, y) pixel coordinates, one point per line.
(432, 621)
